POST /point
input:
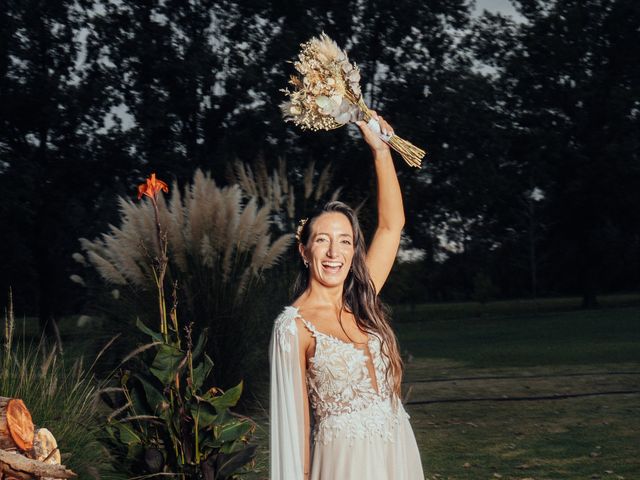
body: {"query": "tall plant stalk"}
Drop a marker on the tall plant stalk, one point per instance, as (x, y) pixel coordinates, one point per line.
(151, 188)
(9, 325)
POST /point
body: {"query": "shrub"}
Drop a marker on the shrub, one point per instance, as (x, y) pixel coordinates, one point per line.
(61, 397)
(219, 245)
(168, 422)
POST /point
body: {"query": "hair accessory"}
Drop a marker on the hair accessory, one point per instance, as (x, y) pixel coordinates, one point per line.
(299, 228)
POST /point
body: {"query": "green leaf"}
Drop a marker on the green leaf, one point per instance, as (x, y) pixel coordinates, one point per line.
(224, 417)
(139, 403)
(206, 415)
(231, 447)
(234, 430)
(154, 397)
(142, 327)
(165, 364)
(227, 400)
(195, 353)
(126, 434)
(112, 433)
(230, 463)
(201, 372)
(209, 444)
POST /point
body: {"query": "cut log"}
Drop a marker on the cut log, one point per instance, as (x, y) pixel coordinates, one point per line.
(45, 447)
(23, 468)
(16, 426)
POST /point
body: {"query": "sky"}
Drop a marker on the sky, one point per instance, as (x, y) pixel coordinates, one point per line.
(501, 6)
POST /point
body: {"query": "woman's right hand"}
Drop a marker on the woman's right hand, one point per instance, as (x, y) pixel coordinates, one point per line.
(374, 141)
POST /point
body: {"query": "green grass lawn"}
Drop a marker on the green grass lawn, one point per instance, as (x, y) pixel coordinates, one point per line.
(583, 438)
(459, 366)
(573, 337)
(516, 307)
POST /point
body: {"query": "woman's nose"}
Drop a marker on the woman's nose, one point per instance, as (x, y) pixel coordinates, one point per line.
(331, 250)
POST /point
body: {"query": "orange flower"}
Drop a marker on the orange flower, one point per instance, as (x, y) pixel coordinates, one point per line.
(152, 187)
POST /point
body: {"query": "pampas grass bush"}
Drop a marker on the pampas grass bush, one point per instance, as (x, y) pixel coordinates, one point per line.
(220, 247)
(290, 194)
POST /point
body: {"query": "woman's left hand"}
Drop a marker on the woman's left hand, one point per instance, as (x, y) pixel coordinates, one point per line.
(376, 144)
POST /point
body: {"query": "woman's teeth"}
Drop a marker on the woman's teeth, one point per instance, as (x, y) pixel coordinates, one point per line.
(332, 267)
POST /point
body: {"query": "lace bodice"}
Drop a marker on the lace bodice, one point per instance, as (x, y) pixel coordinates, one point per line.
(340, 388)
(338, 378)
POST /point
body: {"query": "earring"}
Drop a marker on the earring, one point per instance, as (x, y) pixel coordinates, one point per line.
(306, 263)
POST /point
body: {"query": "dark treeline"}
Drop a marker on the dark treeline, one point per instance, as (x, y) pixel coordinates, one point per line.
(531, 185)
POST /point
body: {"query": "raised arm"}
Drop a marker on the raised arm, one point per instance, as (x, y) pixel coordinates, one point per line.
(384, 246)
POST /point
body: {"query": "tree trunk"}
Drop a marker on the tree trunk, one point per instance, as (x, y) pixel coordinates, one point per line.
(16, 426)
(532, 249)
(590, 300)
(589, 292)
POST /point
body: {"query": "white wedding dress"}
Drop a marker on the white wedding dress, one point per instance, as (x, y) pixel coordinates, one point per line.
(357, 431)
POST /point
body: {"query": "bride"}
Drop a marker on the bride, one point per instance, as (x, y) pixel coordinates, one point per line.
(335, 364)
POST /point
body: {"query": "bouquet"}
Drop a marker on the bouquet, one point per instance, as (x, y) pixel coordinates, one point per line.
(327, 95)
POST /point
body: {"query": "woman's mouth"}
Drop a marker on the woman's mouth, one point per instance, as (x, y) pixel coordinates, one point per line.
(332, 267)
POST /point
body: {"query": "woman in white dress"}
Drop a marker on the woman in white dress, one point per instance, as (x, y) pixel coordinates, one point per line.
(335, 365)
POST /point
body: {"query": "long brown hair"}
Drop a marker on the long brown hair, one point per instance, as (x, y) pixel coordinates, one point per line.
(359, 294)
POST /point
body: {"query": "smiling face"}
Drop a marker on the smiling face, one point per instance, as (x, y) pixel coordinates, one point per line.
(329, 249)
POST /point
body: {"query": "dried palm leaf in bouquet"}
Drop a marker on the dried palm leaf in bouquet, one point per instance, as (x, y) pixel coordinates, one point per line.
(327, 95)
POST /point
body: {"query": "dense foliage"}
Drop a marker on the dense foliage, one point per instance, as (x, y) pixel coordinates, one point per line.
(167, 417)
(61, 395)
(170, 420)
(531, 127)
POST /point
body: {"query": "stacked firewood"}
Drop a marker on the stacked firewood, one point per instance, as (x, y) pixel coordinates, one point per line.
(27, 452)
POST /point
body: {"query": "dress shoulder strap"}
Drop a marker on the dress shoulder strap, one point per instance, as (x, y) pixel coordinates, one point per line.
(314, 331)
(310, 327)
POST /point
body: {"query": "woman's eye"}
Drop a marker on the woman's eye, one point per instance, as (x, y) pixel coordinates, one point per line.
(346, 242)
(320, 239)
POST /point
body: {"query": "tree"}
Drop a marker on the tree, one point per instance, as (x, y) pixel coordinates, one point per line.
(571, 74)
(51, 110)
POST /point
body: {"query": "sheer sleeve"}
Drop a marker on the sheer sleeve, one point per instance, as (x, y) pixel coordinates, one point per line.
(286, 402)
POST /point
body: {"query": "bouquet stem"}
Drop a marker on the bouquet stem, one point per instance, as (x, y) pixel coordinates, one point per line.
(411, 154)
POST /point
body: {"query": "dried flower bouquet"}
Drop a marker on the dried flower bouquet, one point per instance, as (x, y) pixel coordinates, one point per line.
(327, 95)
